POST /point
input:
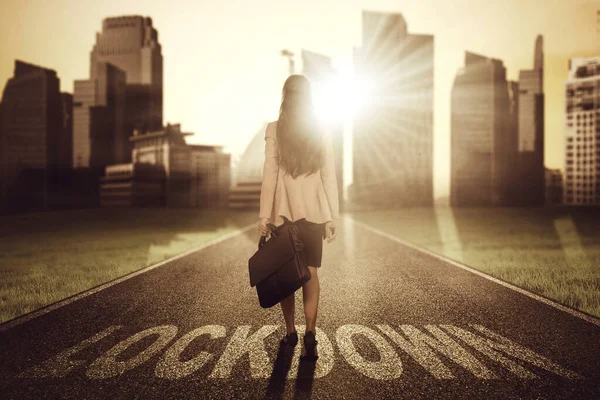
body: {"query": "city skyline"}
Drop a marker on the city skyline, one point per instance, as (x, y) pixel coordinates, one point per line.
(251, 89)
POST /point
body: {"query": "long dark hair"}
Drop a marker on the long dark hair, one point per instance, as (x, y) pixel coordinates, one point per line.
(299, 134)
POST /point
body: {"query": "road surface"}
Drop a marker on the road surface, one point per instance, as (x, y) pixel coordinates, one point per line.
(394, 322)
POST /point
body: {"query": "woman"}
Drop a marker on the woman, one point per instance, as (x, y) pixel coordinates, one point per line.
(299, 185)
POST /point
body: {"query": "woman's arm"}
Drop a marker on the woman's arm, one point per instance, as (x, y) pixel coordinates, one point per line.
(329, 178)
(270, 169)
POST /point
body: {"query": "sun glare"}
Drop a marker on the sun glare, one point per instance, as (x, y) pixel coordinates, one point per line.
(340, 98)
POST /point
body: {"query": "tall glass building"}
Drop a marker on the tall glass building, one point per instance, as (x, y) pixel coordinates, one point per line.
(530, 156)
(393, 135)
(480, 133)
(32, 141)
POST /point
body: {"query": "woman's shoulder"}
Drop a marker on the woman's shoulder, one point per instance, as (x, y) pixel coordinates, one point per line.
(271, 127)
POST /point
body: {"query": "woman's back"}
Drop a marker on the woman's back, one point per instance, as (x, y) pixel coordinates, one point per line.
(310, 196)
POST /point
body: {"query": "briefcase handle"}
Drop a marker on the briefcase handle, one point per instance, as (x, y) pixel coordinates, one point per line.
(298, 244)
(263, 239)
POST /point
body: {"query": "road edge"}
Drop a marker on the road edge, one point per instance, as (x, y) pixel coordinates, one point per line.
(68, 300)
(576, 313)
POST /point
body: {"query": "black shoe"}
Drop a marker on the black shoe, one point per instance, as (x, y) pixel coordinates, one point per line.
(310, 343)
(291, 339)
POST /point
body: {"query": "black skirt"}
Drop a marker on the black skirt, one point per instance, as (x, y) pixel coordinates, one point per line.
(313, 235)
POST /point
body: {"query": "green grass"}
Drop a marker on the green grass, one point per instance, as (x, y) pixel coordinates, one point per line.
(554, 252)
(45, 257)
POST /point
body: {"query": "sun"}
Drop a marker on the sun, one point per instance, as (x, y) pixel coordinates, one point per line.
(341, 98)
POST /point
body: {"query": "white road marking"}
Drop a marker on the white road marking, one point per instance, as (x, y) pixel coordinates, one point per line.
(490, 348)
(421, 346)
(415, 343)
(107, 366)
(170, 367)
(589, 318)
(60, 365)
(389, 365)
(254, 346)
(34, 314)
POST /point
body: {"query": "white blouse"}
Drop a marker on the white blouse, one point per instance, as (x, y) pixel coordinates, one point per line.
(314, 197)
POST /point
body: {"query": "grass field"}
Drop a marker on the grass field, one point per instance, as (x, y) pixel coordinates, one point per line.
(554, 252)
(45, 257)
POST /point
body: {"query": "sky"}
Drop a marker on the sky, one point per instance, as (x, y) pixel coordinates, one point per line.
(223, 71)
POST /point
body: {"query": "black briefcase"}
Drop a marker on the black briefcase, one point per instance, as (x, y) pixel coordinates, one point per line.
(278, 268)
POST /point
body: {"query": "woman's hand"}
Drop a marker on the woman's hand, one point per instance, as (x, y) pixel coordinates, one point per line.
(332, 229)
(262, 226)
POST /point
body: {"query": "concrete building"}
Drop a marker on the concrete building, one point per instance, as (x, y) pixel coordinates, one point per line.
(65, 141)
(99, 136)
(530, 156)
(481, 139)
(133, 185)
(188, 175)
(319, 70)
(210, 175)
(123, 93)
(554, 186)
(131, 44)
(514, 183)
(582, 133)
(30, 136)
(393, 137)
(514, 96)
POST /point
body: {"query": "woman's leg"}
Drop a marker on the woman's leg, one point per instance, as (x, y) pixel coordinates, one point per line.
(310, 294)
(288, 305)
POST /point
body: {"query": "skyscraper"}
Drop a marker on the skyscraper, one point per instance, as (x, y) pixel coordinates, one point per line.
(99, 136)
(512, 183)
(65, 141)
(131, 44)
(480, 133)
(513, 112)
(582, 132)
(30, 135)
(530, 157)
(318, 69)
(393, 136)
(531, 84)
(123, 93)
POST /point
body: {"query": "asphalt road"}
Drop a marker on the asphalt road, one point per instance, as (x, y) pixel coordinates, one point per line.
(394, 322)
